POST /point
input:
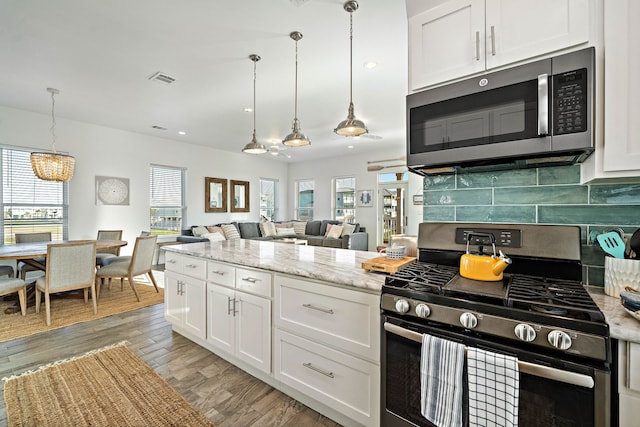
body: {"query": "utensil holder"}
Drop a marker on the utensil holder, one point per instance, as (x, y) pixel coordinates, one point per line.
(619, 273)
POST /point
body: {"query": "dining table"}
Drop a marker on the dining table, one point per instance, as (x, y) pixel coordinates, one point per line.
(33, 252)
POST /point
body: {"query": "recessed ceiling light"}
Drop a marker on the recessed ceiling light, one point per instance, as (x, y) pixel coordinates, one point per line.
(182, 132)
(370, 64)
(248, 110)
(349, 146)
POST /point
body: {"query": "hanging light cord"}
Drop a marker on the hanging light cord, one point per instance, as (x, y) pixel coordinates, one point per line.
(295, 108)
(350, 57)
(254, 97)
(53, 123)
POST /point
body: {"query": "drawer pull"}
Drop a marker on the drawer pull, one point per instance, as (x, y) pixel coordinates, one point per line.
(191, 266)
(171, 261)
(219, 273)
(315, 307)
(249, 279)
(323, 372)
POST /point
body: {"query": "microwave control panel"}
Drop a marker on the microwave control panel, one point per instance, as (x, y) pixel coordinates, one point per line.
(570, 102)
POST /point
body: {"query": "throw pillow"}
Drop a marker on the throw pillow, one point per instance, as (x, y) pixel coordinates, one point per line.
(334, 232)
(268, 229)
(299, 227)
(199, 231)
(285, 232)
(348, 228)
(326, 233)
(214, 237)
(215, 229)
(230, 231)
(283, 225)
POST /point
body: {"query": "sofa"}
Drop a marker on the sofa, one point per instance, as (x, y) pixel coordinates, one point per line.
(315, 232)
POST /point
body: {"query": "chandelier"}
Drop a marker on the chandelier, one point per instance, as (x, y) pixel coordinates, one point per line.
(254, 147)
(351, 126)
(53, 166)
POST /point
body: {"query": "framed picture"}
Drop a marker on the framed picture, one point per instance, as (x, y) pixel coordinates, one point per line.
(215, 194)
(365, 198)
(112, 191)
(239, 196)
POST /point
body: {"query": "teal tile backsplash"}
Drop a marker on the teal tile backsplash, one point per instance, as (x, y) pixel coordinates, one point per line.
(551, 195)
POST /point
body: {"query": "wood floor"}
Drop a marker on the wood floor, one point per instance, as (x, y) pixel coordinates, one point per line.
(226, 394)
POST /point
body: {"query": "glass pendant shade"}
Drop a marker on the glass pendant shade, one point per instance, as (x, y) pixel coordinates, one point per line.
(53, 166)
(296, 138)
(351, 126)
(254, 147)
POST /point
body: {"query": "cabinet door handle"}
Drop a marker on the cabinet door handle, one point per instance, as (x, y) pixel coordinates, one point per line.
(493, 41)
(315, 307)
(235, 311)
(543, 105)
(249, 279)
(178, 287)
(323, 372)
(229, 309)
(477, 45)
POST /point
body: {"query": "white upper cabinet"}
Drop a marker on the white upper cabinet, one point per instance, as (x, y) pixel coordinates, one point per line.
(464, 37)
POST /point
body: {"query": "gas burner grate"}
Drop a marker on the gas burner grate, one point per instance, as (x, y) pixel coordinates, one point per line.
(551, 293)
(421, 276)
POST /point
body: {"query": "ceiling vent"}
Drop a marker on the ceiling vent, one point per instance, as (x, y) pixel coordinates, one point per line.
(158, 127)
(162, 78)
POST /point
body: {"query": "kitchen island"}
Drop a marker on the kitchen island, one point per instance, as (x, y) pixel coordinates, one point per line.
(304, 319)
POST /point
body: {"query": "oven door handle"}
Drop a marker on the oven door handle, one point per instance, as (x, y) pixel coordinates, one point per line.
(547, 372)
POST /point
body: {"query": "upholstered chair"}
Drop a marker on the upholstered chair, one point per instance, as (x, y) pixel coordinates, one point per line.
(70, 266)
(108, 253)
(44, 236)
(139, 264)
(9, 285)
(7, 270)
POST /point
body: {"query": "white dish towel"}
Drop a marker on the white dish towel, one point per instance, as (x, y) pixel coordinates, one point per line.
(441, 369)
(493, 388)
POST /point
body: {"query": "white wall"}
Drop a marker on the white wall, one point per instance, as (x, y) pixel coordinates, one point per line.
(110, 152)
(323, 172)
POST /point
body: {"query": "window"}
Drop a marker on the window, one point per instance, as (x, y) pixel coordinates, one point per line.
(344, 197)
(29, 203)
(269, 198)
(167, 199)
(304, 202)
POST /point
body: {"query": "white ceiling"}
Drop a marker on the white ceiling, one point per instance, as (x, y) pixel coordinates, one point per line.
(100, 54)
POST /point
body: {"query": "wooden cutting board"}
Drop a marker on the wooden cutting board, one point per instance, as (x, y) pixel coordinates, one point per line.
(387, 265)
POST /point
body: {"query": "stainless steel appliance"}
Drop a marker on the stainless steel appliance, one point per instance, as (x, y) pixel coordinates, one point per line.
(539, 312)
(532, 115)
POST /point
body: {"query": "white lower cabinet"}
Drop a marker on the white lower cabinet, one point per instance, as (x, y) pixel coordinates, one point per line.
(629, 382)
(185, 295)
(239, 323)
(327, 346)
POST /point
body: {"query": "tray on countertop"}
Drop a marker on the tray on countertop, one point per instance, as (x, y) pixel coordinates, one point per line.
(387, 265)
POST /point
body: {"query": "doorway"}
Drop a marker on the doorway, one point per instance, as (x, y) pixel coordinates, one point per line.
(392, 205)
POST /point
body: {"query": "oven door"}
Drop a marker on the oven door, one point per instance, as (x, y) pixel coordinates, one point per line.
(552, 392)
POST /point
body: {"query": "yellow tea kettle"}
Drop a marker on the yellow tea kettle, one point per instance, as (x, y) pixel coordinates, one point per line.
(483, 267)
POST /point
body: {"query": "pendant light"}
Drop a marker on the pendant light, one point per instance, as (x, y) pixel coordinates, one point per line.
(296, 138)
(254, 147)
(53, 166)
(351, 126)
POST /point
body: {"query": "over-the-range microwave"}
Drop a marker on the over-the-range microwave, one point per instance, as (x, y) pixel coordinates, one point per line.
(532, 115)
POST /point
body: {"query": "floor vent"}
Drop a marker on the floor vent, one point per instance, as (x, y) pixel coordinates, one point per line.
(162, 78)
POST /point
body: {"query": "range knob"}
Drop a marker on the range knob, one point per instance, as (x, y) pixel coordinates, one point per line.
(559, 339)
(423, 310)
(525, 332)
(402, 306)
(468, 320)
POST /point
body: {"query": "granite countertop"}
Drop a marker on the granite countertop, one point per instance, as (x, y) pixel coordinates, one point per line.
(336, 266)
(621, 324)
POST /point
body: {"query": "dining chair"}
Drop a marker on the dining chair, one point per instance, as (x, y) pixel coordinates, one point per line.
(70, 266)
(121, 258)
(44, 236)
(7, 270)
(9, 285)
(139, 264)
(107, 253)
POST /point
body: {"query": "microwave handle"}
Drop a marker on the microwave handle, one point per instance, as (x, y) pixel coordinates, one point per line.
(534, 369)
(543, 105)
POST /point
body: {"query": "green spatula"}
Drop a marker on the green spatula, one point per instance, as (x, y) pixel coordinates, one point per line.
(611, 243)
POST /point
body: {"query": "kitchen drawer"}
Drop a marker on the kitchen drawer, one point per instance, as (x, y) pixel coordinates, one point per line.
(189, 266)
(222, 274)
(253, 281)
(345, 383)
(342, 318)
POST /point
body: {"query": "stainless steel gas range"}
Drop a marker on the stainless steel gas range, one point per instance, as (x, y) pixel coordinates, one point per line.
(538, 312)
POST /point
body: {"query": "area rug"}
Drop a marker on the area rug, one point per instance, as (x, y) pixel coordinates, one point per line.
(67, 311)
(107, 387)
